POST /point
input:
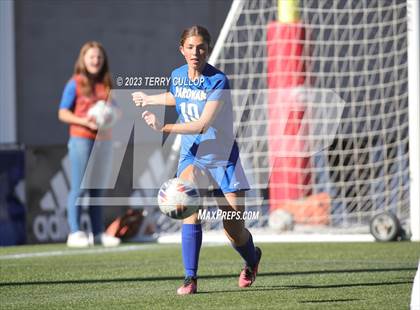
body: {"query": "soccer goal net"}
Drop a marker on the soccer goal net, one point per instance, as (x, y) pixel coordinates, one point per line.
(351, 57)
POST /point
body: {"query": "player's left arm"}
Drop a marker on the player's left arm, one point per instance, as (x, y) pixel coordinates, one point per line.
(210, 111)
(200, 126)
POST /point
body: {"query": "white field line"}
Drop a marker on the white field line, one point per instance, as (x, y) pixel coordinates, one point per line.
(99, 250)
(69, 252)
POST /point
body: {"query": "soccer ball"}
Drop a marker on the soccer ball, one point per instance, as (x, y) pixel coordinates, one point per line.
(178, 198)
(104, 114)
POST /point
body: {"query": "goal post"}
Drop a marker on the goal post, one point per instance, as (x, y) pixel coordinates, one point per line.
(366, 52)
(414, 120)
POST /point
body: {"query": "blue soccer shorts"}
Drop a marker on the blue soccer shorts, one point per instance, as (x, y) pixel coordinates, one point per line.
(229, 178)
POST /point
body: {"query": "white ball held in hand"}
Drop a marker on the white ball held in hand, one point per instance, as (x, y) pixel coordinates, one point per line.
(104, 114)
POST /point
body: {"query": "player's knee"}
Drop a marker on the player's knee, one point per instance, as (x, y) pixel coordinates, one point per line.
(193, 219)
(234, 227)
(237, 236)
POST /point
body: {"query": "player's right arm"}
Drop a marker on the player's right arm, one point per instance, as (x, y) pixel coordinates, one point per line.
(67, 116)
(65, 113)
(141, 99)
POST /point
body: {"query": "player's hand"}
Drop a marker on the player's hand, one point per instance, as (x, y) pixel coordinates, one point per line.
(140, 99)
(151, 120)
(90, 123)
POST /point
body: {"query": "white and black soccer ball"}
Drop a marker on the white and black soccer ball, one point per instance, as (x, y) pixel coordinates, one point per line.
(104, 114)
(178, 198)
(280, 220)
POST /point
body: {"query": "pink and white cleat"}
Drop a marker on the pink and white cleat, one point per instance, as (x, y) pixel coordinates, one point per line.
(189, 286)
(248, 274)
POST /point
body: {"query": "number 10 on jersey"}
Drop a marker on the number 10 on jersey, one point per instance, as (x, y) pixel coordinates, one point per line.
(189, 111)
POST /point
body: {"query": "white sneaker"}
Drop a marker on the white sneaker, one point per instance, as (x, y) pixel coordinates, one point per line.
(107, 240)
(78, 239)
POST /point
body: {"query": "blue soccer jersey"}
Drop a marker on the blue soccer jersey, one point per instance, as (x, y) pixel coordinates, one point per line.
(215, 149)
(215, 145)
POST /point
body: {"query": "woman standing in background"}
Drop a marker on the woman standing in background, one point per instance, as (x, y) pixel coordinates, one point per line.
(90, 83)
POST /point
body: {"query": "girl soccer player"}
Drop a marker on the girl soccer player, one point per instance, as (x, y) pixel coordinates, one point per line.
(208, 149)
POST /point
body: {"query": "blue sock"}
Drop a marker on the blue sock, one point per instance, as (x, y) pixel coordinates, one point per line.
(247, 252)
(191, 245)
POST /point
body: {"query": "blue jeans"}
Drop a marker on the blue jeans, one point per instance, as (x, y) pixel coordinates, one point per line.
(80, 150)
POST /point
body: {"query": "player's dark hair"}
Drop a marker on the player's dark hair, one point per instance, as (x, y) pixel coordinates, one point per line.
(103, 76)
(196, 30)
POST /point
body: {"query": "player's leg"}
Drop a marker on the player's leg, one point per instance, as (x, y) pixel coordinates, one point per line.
(191, 235)
(79, 150)
(234, 228)
(194, 175)
(95, 213)
(240, 238)
(97, 178)
(232, 181)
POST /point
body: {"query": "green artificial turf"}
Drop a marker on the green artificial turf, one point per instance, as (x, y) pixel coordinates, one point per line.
(292, 276)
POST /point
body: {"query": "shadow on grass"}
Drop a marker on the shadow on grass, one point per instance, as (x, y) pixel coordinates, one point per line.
(327, 301)
(224, 276)
(296, 287)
